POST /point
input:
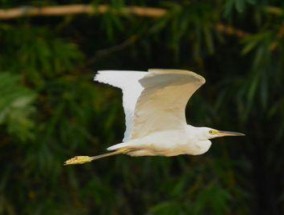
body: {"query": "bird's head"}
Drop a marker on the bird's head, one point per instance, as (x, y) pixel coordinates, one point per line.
(210, 133)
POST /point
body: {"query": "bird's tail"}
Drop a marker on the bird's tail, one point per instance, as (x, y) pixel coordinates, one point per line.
(86, 159)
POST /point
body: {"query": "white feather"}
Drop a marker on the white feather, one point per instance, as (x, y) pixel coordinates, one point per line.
(128, 81)
(161, 105)
(154, 103)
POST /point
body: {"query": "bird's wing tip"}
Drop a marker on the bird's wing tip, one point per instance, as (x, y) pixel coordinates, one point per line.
(178, 71)
(96, 77)
(200, 78)
(101, 75)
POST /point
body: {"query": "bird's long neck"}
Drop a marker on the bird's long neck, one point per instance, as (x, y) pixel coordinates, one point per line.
(196, 132)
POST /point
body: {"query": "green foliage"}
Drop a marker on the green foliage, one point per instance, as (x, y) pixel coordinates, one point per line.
(51, 110)
(238, 5)
(16, 107)
(189, 22)
(38, 49)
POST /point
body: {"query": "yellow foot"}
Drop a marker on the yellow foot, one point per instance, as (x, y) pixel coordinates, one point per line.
(78, 160)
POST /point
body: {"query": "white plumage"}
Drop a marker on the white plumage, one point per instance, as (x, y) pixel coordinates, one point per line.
(128, 81)
(154, 103)
(165, 91)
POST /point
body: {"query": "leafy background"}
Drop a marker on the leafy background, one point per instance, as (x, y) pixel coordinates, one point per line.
(51, 110)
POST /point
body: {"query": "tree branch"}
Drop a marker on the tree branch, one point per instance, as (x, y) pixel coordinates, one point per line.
(27, 11)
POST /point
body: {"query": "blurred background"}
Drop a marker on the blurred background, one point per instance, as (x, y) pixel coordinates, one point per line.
(51, 110)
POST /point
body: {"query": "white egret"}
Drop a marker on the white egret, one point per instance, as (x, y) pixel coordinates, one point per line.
(154, 103)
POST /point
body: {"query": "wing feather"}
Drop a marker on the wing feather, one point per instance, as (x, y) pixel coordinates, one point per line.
(128, 81)
(161, 105)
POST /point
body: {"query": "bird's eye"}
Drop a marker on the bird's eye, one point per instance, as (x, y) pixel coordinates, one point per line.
(213, 132)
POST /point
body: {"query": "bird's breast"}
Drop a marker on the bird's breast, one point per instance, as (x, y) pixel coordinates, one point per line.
(171, 143)
(194, 147)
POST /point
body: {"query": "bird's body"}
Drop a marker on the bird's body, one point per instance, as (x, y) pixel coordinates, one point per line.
(166, 143)
(154, 103)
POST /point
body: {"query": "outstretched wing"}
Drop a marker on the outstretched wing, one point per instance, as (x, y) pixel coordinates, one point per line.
(161, 105)
(128, 81)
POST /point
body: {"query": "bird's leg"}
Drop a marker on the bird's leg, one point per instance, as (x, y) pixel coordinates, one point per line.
(86, 159)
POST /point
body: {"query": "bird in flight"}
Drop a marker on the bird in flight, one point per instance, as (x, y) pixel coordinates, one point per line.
(154, 103)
